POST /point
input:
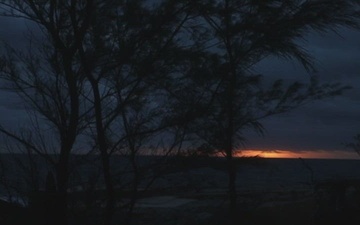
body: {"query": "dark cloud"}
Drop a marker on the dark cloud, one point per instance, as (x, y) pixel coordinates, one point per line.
(10, 101)
(309, 128)
(17, 32)
(12, 30)
(322, 125)
(12, 110)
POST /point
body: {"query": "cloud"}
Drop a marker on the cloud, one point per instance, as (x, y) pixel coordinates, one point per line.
(322, 125)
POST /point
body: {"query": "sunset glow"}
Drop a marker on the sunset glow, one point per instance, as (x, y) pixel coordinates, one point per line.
(321, 154)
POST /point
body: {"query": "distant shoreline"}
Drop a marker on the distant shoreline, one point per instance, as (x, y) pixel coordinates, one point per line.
(235, 157)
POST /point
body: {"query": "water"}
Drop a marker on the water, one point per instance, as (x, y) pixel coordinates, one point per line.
(196, 175)
(291, 173)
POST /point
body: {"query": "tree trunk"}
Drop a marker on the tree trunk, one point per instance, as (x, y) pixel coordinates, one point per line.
(61, 195)
(134, 193)
(110, 194)
(105, 156)
(232, 183)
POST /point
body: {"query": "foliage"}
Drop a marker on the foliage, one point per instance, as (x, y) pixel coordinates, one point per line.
(130, 76)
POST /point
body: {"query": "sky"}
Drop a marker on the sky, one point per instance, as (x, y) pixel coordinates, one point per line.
(319, 129)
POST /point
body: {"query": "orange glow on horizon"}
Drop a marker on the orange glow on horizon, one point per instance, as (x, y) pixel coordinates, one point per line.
(321, 154)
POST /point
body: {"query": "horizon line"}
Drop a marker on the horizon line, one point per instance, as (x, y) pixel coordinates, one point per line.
(308, 154)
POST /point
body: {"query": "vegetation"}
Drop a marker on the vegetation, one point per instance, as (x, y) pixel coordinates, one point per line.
(140, 77)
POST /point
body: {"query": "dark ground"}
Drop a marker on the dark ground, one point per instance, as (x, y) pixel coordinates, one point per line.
(204, 183)
(213, 210)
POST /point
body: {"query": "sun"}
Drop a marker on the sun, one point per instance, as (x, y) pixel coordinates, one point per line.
(315, 154)
(268, 153)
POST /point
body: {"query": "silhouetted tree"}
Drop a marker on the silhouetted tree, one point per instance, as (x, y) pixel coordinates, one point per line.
(112, 55)
(113, 69)
(241, 34)
(126, 55)
(47, 78)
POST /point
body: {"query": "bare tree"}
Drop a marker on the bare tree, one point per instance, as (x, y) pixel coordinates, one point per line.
(47, 78)
(111, 56)
(123, 62)
(113, 69)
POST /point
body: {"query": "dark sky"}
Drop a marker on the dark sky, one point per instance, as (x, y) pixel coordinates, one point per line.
(324, 124)
(321, 125)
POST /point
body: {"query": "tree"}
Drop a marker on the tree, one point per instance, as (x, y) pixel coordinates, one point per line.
(242, 33)
(48, 79)
(123, 61)
(112, 59)
(111, 69)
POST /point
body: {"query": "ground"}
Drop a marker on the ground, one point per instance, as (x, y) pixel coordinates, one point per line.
(278, 208)
(282, 192)
(211, 208)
